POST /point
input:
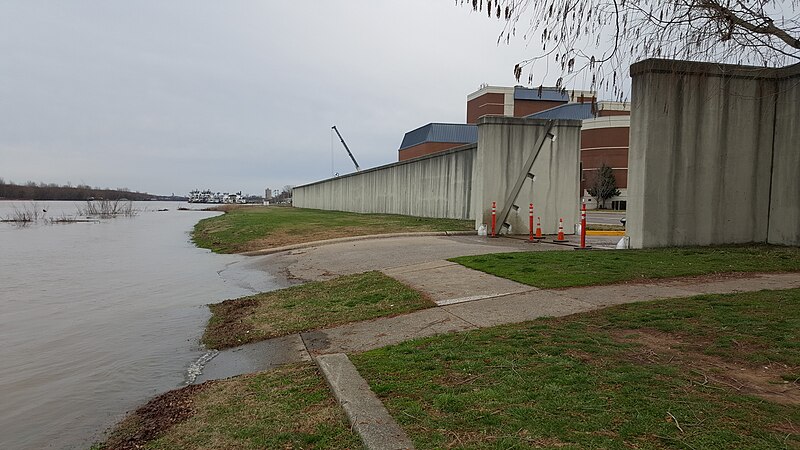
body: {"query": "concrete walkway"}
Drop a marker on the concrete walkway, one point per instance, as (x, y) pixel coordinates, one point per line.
(465, 310)
(468, 300)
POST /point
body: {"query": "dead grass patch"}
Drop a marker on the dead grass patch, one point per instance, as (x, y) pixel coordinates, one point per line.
(766, 381)
(234, 328)
(156, 417)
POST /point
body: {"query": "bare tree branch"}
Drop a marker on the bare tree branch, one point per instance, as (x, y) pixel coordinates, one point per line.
(602, 37)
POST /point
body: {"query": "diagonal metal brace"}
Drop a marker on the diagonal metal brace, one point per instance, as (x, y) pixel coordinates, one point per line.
(525, 173)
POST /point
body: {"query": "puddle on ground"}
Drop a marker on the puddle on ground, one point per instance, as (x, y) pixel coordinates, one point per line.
(255, 357)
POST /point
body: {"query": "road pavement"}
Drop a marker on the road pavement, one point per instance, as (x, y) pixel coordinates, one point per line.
(606, 218)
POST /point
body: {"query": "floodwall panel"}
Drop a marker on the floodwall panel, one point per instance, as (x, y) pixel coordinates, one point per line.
(504, 145)
(701, 157)
(784, 216)
(434, 186)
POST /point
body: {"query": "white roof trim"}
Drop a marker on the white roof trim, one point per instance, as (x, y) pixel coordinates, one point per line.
(607, 122)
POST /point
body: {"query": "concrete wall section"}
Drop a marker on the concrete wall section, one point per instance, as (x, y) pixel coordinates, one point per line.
(504, 145)
(439, 185)
(784, 214)
(701, 159)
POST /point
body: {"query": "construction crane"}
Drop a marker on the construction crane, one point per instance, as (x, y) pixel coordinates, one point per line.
(346, 147)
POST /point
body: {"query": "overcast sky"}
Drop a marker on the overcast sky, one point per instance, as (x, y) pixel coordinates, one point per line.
(168, 96)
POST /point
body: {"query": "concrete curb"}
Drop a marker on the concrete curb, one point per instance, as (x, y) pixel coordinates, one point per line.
(367, 415)
(286, 248)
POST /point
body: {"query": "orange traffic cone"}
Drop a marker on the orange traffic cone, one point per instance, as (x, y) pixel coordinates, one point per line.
(538, 234)
(560, 237)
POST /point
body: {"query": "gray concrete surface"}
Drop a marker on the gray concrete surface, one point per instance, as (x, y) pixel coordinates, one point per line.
(784, 212)
(366, 414)
(713, 156)
(603, 296)
(255, 357)
(448, 283)
(439, 185)
(504, 144)
(738, 283)
(292, 247)
(372, 334)
(328, 261)
(517, 308)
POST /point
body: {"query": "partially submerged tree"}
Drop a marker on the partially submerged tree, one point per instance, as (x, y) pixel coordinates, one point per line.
(604, 185)
(600, 38)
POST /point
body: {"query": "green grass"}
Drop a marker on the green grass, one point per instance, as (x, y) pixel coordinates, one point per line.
(566, 269)
(611, 379)
(604, 227)
(290, 407)
(309, 306)
(243, 229)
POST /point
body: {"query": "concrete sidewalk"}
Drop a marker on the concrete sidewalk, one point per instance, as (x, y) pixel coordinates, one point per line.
(466, 310)
(469, 300)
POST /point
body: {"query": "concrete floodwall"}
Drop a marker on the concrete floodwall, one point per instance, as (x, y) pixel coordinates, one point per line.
(462, 183)
(504, 144)
(784, 213)
(714, 155)
(438, 185)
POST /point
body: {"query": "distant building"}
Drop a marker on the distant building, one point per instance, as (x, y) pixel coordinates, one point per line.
(436, 137)
(604, 136)
(519, 101)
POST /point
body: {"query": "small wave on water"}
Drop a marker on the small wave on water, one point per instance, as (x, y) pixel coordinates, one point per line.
(195, 369)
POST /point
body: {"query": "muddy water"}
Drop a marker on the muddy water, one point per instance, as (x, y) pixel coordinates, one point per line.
(95, 318)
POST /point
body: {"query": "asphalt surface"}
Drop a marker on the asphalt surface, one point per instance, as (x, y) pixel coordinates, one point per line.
(606, 218)
(344, 258)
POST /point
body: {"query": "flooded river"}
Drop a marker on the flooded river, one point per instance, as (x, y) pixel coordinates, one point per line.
(95, 318)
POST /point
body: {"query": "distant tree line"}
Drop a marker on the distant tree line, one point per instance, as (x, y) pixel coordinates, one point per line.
(285, 195)
(44, 191)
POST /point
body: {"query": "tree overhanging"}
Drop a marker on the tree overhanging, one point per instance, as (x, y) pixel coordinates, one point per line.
(601, 38)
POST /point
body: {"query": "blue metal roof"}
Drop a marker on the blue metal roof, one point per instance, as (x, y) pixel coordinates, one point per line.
(579, 111)
(548, 94)
(441, 132)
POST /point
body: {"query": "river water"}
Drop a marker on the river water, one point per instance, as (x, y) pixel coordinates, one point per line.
(96, 318)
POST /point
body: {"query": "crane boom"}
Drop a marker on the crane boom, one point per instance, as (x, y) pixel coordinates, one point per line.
(346, 147)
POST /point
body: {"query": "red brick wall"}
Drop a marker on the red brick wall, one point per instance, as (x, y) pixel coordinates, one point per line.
(524, 108)
(426, 148)
(605, 145)
(611, 112)
(483, 105)
(605, 137)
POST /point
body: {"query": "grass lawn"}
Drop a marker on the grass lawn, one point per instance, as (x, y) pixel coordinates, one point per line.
(708, 372)
(604, 227)
(243, 229)
(309, 306)
(566, 269)
(290, 407)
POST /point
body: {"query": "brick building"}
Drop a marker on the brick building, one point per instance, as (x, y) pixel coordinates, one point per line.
(604, 136)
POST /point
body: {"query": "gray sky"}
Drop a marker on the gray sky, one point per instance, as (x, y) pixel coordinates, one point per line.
(167, 96)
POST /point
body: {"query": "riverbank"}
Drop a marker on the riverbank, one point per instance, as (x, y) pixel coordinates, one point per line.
(253, 228)
(436, 280)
